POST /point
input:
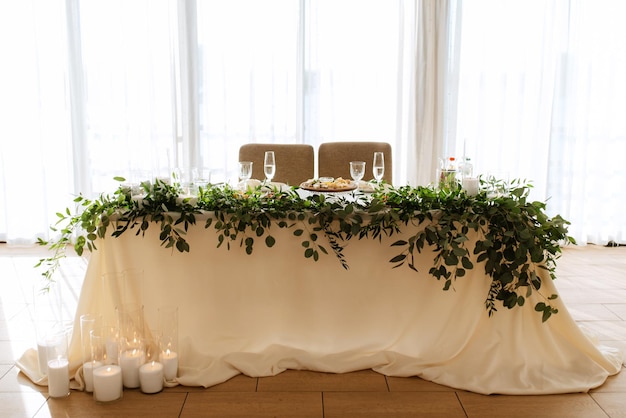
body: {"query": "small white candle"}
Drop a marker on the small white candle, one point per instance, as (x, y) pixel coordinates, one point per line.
(151, 377)
(88, 369)
(130, 361)
(58, 378)
(470, 185)
(107, 383)
(170, 364)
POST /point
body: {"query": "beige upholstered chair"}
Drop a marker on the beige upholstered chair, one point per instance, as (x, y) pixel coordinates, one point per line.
(295, 163)
(333, 158)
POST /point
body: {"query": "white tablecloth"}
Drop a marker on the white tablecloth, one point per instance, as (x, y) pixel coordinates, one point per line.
(274, 310)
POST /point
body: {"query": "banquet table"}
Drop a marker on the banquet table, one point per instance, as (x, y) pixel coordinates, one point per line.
(262, 313)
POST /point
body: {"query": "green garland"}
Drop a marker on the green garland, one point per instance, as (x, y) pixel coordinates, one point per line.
(512, 236)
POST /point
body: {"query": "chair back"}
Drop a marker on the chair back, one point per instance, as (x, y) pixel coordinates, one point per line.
(333, 158)
(295, 163)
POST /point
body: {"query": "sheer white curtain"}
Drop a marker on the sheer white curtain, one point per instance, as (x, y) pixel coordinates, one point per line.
(35, 154)
(128, 97)
(541, 90)
(99, 89)
(587, 173)
(435, 78)
(302, 72)
(88, 94)
(248, 80)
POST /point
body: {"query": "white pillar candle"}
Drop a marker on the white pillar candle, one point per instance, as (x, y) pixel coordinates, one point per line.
(151, 377)
(470, 185)
(130, 361)
(88, 369)
(170, 364)
(107, 383)
(58, 378)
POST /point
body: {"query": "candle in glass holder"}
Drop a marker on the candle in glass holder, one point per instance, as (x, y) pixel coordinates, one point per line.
(471, 185)
(42, 351)
(151, 377)
(88, 369)
(107, 383)
(58, 365)
(58, 378)
(170, 364)
(130, 361)
(168, 326)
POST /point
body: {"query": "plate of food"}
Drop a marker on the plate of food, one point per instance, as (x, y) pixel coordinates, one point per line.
(327, 184)
(367, 187)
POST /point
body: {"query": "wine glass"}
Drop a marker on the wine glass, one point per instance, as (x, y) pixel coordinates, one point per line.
(201, 177)
(269, 165)
(357, 171)
(379, 166)
(245, 171)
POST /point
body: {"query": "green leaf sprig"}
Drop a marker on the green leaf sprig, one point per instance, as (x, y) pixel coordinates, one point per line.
(500, 229)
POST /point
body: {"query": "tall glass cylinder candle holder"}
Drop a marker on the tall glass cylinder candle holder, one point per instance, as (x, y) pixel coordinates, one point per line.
(88, 322)
(110, 336)
(130, 321)
(152, 345)
(88, 368)
(47, 310)
(106, 378)
(121, 288)
(168, 326)
(97, 355)
(58, 366)
(132, 357)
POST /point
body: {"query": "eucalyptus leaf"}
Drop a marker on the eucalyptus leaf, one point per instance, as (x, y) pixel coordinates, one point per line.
(513, 239)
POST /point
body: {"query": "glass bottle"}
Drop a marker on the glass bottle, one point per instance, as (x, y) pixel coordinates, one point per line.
(447, 175)
(466, 168)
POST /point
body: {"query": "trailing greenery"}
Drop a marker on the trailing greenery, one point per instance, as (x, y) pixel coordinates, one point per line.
(509, 236)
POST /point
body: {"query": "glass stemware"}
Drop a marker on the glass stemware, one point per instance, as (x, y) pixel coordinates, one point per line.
(378, 167)
(201, 175)
(357, 171)
(269, 165)
(245, 171)
(200, 178)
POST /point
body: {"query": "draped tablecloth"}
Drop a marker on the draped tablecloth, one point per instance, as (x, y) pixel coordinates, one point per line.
(273, 310)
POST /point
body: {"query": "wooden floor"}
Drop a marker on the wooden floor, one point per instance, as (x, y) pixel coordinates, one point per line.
(591, 281)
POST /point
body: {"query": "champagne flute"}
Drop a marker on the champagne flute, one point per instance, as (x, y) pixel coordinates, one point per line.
(269, 165)
(378, 167)
(357, 171)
